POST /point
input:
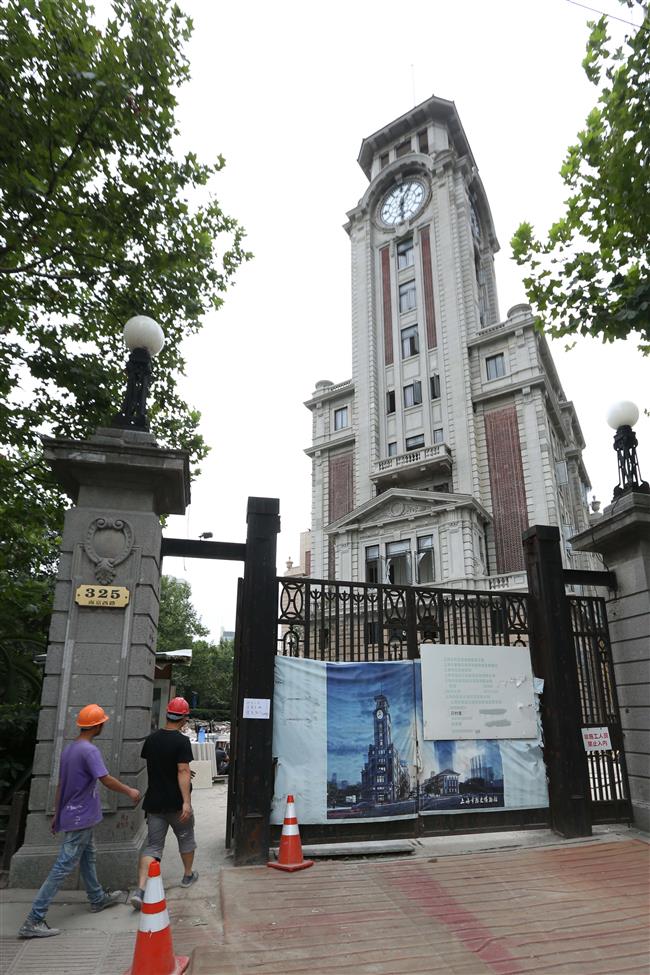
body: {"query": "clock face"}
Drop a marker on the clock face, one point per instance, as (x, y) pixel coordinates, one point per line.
(380, 714)
(402, 202)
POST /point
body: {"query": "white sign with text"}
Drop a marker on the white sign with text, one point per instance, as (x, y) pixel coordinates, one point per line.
(480, 692)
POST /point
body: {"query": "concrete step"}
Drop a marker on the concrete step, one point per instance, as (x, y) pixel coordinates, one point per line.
(325, 851)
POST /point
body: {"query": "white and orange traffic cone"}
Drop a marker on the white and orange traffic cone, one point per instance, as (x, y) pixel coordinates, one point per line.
(290, 857)
(154, 951)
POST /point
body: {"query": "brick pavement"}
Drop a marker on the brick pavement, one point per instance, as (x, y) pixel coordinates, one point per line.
(569, 910)
(576, 908)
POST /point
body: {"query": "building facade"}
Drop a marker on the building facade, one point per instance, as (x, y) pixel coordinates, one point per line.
(454, 433)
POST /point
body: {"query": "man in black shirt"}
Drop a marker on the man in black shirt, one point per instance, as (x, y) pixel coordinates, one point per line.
(167, 800)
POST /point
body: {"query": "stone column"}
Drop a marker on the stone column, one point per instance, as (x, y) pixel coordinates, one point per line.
(120, 483)
(622, 537)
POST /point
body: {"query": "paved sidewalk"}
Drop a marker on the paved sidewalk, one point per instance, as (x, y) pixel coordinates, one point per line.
(102, 944)
(502, 904)
(578, 908)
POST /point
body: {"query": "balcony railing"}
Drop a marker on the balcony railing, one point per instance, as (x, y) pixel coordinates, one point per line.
(437, 455)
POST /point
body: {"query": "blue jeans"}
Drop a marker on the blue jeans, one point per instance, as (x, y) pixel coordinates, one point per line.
(78, 848)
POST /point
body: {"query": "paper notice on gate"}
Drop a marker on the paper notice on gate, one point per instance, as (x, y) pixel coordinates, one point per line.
(257, 707)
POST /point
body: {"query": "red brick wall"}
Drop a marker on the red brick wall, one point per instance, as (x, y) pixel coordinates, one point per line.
(507, 486)
(340, 499)
(427, 287)
(387, 306)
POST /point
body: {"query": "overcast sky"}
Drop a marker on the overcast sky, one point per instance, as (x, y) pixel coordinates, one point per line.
(287, 91)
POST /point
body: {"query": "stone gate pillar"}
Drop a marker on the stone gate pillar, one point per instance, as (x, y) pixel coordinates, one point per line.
(120, 482)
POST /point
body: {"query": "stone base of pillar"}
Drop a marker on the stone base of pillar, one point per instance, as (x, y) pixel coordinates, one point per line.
(641, 814)
(117, 864)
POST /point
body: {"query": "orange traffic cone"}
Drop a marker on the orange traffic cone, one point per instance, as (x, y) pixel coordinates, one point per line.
(290, 857)
(154, 951)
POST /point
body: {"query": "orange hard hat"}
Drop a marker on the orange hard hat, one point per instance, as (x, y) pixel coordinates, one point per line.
(91, 716)
(178, 707)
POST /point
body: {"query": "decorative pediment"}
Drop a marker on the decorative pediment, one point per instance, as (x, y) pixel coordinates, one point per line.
(399, 504)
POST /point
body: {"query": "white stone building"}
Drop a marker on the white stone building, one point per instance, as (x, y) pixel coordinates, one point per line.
(454, 433)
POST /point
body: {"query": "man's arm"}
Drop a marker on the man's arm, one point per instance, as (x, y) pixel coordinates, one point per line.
(116, 786)
(184, 786)
(57, 799)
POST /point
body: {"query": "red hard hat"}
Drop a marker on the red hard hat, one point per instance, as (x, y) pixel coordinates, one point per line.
(178, 706)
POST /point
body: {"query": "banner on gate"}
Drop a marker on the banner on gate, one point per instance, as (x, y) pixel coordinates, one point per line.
(349, 744)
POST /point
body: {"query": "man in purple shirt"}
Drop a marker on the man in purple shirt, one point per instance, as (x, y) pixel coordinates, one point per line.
(77, 809)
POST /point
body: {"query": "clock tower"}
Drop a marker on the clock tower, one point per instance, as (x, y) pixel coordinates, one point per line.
(453, 434)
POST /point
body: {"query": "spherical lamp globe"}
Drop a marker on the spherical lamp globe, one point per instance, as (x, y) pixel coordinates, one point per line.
(141, 332)
(622, 414)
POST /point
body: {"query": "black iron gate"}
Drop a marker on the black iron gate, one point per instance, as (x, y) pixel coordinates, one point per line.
(606, 769)
(357, 622)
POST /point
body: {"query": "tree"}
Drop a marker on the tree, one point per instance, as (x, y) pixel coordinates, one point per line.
(209, 677)
(592, 275)
(99, 220)
(179, 624)
(180, 628)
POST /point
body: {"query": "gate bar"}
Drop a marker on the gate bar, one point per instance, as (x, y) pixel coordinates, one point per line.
(553, 658)
(196, 548)
(589, 577)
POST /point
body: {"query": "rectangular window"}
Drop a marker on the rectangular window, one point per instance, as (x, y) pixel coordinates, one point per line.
(435, 386)
(561, 472)
(413, 394)
(390, 401)
(495, 366)
(405, 253)
(372, 631)
(438, 435)
(407, 296)
(398, 563)
(414, 443)
(341, 418)
(392, 449)
(425, 560)
(410, 344)
(372, 565)
(383, 160)
(402, 148)
(423, 141)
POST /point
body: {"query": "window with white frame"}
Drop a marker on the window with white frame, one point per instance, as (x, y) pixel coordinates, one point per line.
(390, 401)
(392, 448)
(495, 366)
(413, 394)
(407, 296)
(414, 443)
(372, 564)
(405, 253)
(435, 386)
(341, 418)
(410, 344)
(425, 563)
(398, 562)
(438, 435)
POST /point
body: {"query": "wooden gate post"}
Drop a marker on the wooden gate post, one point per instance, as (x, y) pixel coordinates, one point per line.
(553, 658)
(254, 769)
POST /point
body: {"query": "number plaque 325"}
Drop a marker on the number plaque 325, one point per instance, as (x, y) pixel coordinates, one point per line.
(112, 597)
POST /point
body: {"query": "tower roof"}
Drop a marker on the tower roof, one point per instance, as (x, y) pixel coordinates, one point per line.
(432, 109)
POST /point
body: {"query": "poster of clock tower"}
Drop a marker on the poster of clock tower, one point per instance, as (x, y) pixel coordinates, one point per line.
(454, 433)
